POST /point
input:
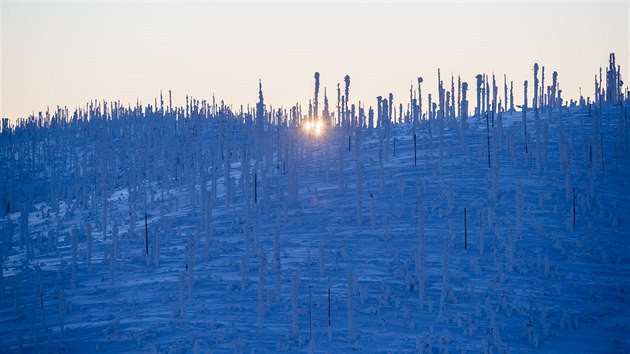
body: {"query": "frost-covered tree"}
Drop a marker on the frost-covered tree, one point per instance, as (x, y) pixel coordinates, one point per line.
(295, 293)
(2, 289)
(505, 93)
(463, 112)
(420, 258)
(452, 96)
(541, 96)
(62, 309)
(74, 236)
(316, 99)
(478, 108)
(524, 110)
(537, 123)
(277, 263)
(182, 291)
(536, 84)
(420, 80)
(553, 100)
(156, 247)
(339, 105)
(459, 96)
(341, 175)
(614, 83)
(113, 255)
(519, 209)
(191, 249)
(446, 286)
(351, 332)
(90, 244)
(262, 269)
(326, 112)
(346, 80)
(260, 106)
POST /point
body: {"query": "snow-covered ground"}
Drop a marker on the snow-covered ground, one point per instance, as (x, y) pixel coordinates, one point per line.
(264, 239)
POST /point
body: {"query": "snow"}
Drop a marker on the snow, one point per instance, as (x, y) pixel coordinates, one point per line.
(529, 280)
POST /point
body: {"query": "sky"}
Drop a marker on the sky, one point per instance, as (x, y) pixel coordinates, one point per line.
(67, 53)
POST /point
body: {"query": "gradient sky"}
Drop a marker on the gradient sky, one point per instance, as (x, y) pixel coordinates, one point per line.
(69, 52)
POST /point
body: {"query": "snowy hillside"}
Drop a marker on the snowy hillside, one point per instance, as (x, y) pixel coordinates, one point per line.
(206, 229)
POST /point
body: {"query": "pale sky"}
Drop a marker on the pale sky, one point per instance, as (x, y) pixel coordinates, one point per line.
(69, 52)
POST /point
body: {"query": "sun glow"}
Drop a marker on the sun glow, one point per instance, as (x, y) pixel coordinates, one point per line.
(314, 127)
